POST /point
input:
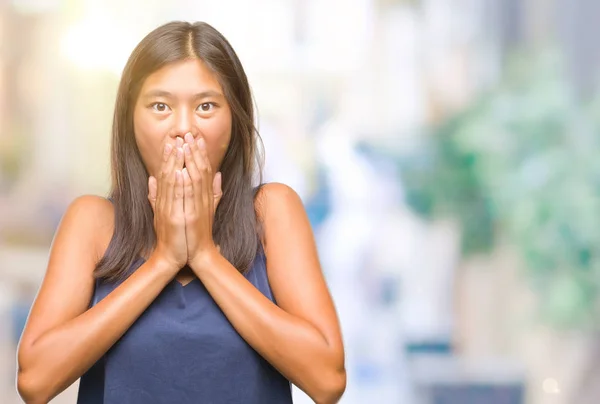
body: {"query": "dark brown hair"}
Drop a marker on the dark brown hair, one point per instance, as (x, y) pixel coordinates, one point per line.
(236, 228)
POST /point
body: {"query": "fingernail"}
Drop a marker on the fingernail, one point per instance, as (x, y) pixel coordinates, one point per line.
(186, 149)
(184, 171)
(179, 141)
(201, 143)
(168, 148)
(189, 138)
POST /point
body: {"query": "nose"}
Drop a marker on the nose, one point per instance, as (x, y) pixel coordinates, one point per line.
(184, 122)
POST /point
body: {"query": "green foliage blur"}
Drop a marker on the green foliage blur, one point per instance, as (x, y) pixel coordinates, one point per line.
(522, 164)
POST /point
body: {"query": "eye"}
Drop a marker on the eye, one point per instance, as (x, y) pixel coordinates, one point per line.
(160, 107)
(206, 107)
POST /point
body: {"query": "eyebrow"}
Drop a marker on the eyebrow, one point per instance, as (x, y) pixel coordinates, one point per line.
(166, 94)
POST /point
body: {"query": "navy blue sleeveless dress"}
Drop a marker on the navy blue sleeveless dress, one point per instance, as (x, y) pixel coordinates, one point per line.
(183, 350)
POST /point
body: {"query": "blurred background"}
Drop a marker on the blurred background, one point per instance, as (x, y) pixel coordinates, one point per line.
(445, 150)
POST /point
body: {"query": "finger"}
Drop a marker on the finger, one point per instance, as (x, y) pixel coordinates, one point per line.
(179, 159)
(188, 194)
(179, 142)
(167, 153)
(168, 160)
(207, 180)
(177, 205)
(192, 157)
(152, 189)
(217, 190)
(171, 179)
(192, 161)
(178, 166)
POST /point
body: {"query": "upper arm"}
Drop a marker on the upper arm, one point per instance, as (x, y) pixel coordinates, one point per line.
(68, 285)
(293, 264)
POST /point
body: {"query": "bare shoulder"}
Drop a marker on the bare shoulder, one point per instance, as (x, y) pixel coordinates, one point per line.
(275, 199)
(293, 266)
(287, 233)
(80, 240)
(277, 189)
(93, 207)
(90, 217)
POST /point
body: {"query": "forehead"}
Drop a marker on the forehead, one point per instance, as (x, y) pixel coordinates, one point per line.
(185, 76)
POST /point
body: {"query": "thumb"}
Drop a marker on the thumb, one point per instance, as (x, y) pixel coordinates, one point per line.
(217, 191)
(152, 187)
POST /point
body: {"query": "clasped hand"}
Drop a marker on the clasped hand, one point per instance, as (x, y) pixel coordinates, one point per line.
(184, 200)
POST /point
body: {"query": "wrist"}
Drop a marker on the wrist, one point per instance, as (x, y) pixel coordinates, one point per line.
(163, 265)
(204, 260)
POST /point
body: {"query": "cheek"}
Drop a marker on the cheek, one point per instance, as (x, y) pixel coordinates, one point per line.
(217, 136)
(149, 139)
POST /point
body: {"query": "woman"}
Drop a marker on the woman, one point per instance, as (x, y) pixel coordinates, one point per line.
(155, 295)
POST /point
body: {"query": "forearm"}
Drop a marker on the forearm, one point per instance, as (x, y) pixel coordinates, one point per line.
(54, 360)
(291, 344)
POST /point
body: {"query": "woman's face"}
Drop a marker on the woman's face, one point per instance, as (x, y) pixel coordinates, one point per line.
(179, 98)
